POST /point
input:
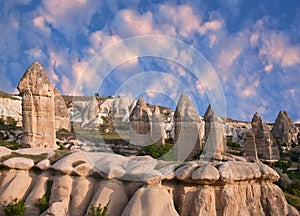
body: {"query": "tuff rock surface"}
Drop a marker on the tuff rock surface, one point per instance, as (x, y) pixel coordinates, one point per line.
(187, 134)
(157, 133)
(266, 148)
(38, 110)
(284, 131)
(140, 124)
(193, 188)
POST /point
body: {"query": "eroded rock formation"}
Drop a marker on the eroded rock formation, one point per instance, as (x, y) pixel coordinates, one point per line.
(250, 146)
(157, 135)
(140, 125)
(62, 117)
(139, 185)
(187, 134)
(284, 131)
(264, 143)
(38, 110)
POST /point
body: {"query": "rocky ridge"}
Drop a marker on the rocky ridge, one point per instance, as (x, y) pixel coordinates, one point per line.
(138, 185)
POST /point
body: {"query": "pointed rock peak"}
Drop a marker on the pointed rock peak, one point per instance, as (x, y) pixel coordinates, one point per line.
(140, 102)
(209, 112)
(156, 110)
(36, 81)
(185, 109)
(256, 117)
(284, 115)
(140, 110)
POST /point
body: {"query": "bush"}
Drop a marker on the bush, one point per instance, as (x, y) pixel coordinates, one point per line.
(233, 145)
(43, 203)
(98, 211)
(155, 151)
(11, 122)
(16, 209)
(282, 164)
(10, 145)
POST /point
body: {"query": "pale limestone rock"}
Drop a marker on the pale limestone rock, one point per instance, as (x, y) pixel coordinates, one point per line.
(112, 192)
(158, 134)
(37, 192)
(187, 135)
(62, 117)
(186, 170)
(264, 143)
(38, 111)
(185, 199)
(206, 174)
(250, 147)
(204, 203)
(19, 163)
(35, 151)
(207, 115)
(82, 193)
(60, 196)
(284, 131)
(146, 202)
(268, 174)
(140, 125)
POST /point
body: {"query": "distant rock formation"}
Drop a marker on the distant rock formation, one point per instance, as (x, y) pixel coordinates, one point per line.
(138, 185)
(158, 134)
(284, 131)
(215, 142)
(38, 110)
(264, 143)
(208, 113)
(140, 125)
(90, 112)
(187, 135)
(250, 147)
(62, 117)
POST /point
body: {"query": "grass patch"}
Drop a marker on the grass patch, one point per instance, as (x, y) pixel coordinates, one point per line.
(156, 151)
(10, 145)
(293, 200)
(43, 203)
(35, 158)
(98, 211)
(58, 155)
(16, 209)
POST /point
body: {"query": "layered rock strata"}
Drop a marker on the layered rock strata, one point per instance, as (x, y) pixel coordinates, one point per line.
(38, 110)
(187, 133)
(138, 185)
(250, 146)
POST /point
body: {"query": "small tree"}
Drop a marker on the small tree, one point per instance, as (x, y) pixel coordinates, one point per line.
(16, 209)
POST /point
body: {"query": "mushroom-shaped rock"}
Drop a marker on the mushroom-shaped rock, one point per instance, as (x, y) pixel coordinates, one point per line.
(19, 163)
(206, 174)
(185, 171)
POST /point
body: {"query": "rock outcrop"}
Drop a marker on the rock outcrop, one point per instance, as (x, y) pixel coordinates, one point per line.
(62, 117)
(284, 131)
(187, 135)
(208, 113)
(138, 185)
(266, 149)
(140, 124)
(215, 142)
(250, 147)
(38, 110)
(157, 133)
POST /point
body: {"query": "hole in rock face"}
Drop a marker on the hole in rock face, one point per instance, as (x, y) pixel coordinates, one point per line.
(77, 163)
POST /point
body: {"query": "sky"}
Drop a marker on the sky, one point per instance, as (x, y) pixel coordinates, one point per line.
(241, 56)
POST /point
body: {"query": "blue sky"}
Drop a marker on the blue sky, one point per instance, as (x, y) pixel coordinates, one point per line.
(253, 47)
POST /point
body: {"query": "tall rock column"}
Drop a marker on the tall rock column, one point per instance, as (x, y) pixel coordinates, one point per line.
(38, 111)
(158, 134)
(187, 135)
(250, 147)
(284, 131)
(140, 125)
(264, 143)
(215, 140)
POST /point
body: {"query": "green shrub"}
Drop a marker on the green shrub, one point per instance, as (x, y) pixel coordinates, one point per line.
(98, 211)
(16, 209)
(10, 145)
(282, 164)
(11, 122)
(43, 203)
(156, 151)
(233, 145)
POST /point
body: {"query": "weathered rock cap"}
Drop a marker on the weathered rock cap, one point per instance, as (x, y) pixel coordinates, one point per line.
(35, 80)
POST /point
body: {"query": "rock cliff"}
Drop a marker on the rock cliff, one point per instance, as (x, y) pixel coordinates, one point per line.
(137, 185)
